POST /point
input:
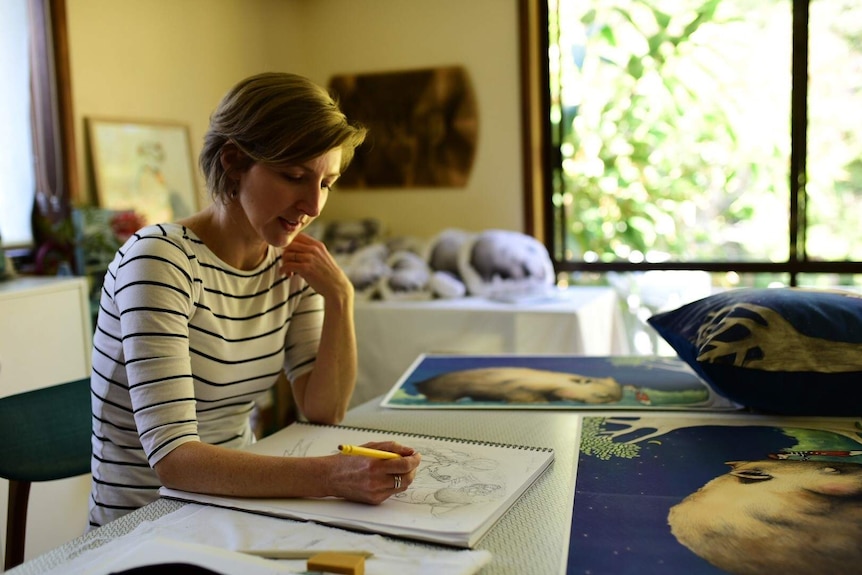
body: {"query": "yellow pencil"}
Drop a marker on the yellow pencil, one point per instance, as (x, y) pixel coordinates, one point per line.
(367, 452)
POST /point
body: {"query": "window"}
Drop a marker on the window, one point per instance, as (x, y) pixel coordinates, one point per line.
(683, 137)
(17, 178)
(40, 182)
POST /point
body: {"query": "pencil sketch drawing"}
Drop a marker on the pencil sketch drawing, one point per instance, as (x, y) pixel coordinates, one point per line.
(449, 479)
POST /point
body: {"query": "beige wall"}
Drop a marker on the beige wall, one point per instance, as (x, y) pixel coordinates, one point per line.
(163, 59)
(173, 59)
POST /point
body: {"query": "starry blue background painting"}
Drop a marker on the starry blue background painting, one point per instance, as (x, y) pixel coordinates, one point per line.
(619, 519)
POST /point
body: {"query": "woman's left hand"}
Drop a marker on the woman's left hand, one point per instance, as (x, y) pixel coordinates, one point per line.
(310, 259)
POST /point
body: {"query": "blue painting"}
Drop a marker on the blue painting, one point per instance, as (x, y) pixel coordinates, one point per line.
(552, 382)
(735, 494)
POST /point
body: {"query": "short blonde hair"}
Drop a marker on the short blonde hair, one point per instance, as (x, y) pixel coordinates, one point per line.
(275, 118)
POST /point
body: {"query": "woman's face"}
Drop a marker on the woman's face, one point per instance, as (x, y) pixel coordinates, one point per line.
(280, 201)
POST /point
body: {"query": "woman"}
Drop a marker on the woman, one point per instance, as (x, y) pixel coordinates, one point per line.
(197, 319)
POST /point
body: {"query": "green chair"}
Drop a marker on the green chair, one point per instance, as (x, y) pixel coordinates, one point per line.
(45, 436)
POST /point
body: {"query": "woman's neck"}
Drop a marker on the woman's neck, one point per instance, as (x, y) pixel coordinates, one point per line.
(227, 234)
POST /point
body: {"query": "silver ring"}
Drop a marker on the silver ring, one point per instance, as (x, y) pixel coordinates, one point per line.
(397, 482)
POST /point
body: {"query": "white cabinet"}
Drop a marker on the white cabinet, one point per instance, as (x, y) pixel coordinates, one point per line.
(45, 339)
(45, 332)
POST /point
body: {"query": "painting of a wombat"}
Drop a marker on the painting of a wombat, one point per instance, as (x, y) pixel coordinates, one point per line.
(788, 517)
(519, 385)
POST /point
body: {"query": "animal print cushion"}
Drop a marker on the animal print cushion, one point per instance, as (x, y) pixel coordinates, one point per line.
(784, 350)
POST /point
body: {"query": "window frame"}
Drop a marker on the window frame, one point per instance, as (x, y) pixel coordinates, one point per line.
(540, 157)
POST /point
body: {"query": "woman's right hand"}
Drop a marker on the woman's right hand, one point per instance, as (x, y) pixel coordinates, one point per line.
(369, 480)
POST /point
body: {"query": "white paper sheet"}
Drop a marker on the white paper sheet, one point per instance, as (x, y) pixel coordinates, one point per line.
(229, 530)
(159, 551)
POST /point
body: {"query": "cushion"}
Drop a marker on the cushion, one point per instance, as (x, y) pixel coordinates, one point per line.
(783, 350)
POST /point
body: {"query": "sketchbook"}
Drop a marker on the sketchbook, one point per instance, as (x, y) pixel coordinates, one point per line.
(462, 487)
(711, 495)
(439, 381)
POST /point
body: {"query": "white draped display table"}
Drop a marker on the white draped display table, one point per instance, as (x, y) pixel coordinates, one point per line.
(391, 334)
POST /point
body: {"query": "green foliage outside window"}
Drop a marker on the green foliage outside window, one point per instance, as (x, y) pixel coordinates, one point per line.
(672, 121)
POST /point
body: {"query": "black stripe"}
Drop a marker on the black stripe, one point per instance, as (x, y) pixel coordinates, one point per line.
(146, 256)
(112, 404)
(229, 340)
(125, 485)
(103, 332)
(228, 440)
(107, 379)
(249, 296)
(152, 405)
(248, 403)
(115, 426)
(151, 283)
(106, 311)
(161, 379)
(142, 465)
(106, 506)
(246, 380)
(239, 274)
(154, 309)
(304, 363)
(236, 362)
(167, 424)
(98, 350)
(167, 443)
(276, 307)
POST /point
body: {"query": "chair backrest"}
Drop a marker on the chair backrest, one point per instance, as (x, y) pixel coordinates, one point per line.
(45, 433)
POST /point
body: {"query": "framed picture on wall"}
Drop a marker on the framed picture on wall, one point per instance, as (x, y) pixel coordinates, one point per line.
(143, 166)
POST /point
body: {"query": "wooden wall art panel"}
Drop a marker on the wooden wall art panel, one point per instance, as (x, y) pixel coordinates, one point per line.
(423, 127)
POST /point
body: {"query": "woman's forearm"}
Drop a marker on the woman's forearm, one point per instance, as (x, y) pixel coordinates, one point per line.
(202, 468)
(324, 395)
(236, 473)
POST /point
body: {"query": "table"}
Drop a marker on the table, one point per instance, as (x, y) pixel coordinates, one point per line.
(391, 334)
(532, 537)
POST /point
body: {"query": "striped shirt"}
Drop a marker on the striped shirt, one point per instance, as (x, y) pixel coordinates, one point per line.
(183, 346)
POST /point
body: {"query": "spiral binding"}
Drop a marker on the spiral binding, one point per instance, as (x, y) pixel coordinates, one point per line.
(429, 436)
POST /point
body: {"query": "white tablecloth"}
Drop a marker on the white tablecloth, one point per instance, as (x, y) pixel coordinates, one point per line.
(392, 334)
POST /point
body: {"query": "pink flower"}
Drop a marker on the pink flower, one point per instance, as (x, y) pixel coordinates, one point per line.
(124, 224)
